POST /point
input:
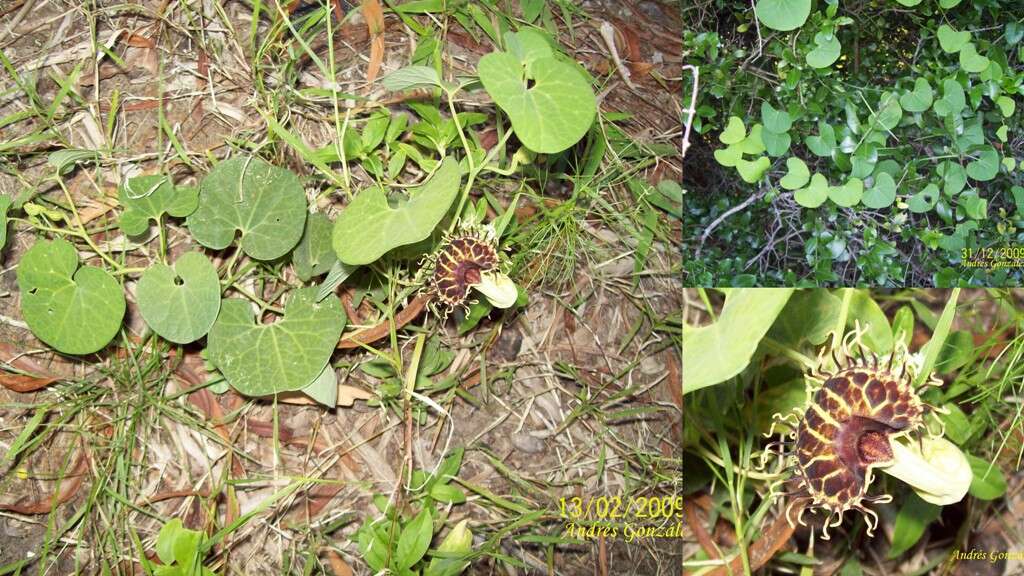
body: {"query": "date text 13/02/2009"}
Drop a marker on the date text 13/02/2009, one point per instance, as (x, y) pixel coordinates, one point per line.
(616, 508)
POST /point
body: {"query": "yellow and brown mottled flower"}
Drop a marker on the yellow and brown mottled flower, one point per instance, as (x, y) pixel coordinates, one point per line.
(458, 265)
(845, 430)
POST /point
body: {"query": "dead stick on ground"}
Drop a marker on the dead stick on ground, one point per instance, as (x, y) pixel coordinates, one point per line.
(384, 328)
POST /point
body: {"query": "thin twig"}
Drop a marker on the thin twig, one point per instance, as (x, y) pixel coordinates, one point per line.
(692, 111)
(720, 219)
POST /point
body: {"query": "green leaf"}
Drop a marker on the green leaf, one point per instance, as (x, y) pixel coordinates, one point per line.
(260, 359)
(148, 198)
(953, 99)
(823, 144)
(815, 194)
(549, 102)
(729, 156)
(826, 51)
(411, 77)
(166, 539)
(920, 99)
(848, 194)
(369, 227)
(869, 314)
(324, 388)
(956, 352)
(947, 4)
(64, 160)
(180, 303)
(954, 177)
(914, 516)
(970, 60)
(734, 132)
(414, 540)
(314, 255)
(775, 120)
(265, 203)
(75, 310)
(775, 144)
(783, 15)
(754, 143)
(973, 205)
(934, 346)
(958, 427)
(719, 351)
(888, 114)
(1001, 133)
(5, 205)
(882, 194)
(989, 482)
(924, 200)
(1006, 105)
(797, 176)
(909, 3)
(950, 40)
(752, 171)
(809, 316)
(986, 166)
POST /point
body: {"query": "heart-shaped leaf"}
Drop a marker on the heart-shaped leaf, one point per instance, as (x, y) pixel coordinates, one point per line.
(754, 143)
(548, 100)
(882, 194)
(775, 144)
(1006, 105)
(263, 202)
(924, 200)
(783, 15)
(970, 60)
(728, 156)
(950, 40)
(797, 176)
(823, 144)
(973, 206)
(368, 227)
(947, 4)
(1001, 133)
(848, 194)
(149, 197)
(826, 51)
(751, 171)
(986, 166)
(734, 132)
(181, 302)
(261, 359)
(314, 255)
(888, 114)
(954, 178)
(76, 312)
(815, 194)
(953, 99)
(920, 99)
(777, 121)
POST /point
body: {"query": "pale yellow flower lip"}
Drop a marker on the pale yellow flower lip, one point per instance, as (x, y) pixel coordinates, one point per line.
(498, 288)
(936, 469)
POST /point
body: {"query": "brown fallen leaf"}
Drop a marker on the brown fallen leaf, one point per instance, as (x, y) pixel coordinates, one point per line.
(374, 16)
(68, 488)
(24, 383)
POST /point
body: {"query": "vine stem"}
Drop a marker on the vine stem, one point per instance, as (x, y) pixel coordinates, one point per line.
(82, 231)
